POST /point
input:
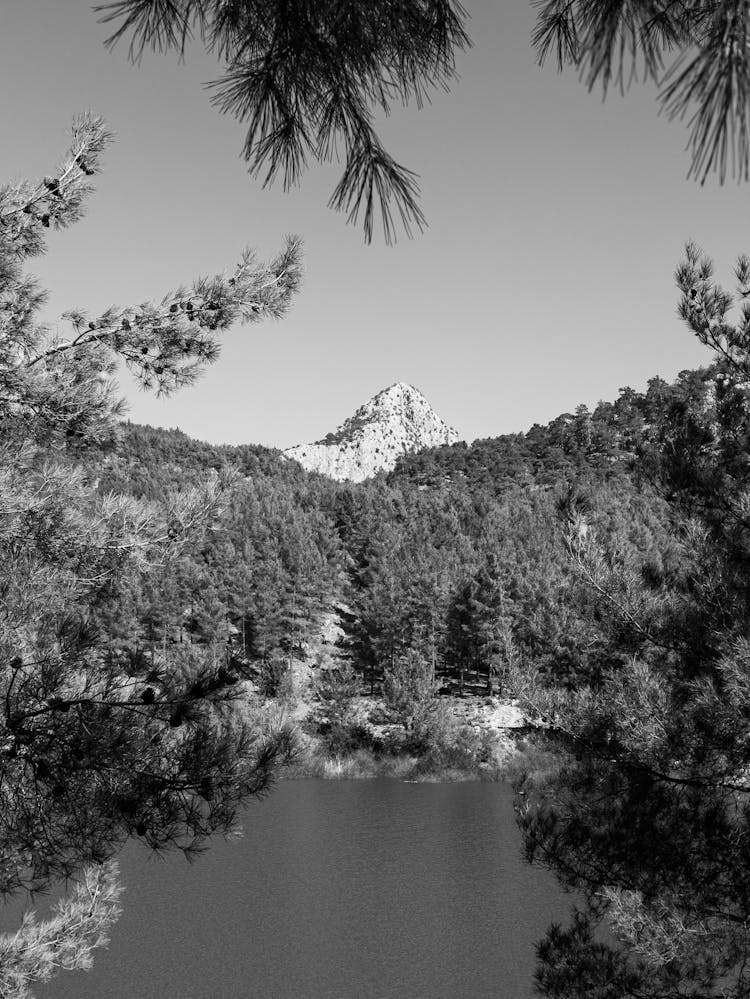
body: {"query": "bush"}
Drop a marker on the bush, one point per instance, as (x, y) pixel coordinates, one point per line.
(345, 738)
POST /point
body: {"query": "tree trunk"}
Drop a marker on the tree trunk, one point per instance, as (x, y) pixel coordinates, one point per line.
(434, 654)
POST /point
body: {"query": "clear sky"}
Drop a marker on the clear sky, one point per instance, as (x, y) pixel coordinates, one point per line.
(543, 281)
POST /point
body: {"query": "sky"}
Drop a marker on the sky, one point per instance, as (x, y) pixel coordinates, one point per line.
(544, 280)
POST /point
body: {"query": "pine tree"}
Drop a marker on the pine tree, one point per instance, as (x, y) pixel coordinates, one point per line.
(336, 687)
(97, 742)
(635, 789)
(409, 692)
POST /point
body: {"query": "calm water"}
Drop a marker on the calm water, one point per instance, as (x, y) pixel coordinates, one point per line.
(339, 890)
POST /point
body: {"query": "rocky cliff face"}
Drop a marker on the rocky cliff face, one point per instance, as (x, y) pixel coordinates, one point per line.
(396, 420)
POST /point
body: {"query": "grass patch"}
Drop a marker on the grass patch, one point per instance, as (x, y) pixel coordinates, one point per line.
(315, 759)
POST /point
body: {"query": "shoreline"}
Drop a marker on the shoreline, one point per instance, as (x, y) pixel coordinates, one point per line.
(475, 740)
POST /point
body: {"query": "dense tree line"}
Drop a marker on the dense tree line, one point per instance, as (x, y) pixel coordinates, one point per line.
(458, 556)
(257, 578)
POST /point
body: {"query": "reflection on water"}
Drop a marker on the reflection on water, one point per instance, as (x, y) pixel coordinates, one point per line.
(339, 890)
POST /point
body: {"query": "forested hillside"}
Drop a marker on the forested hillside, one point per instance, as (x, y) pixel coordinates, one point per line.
(457, 558)
(257, 578)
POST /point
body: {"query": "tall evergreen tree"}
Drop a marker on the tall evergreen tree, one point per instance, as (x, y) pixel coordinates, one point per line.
(97, 743)
(636, 788)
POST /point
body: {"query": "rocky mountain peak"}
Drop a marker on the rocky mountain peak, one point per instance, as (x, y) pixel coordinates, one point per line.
(396, 420)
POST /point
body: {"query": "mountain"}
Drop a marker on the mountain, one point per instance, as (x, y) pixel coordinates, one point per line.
(396, 421)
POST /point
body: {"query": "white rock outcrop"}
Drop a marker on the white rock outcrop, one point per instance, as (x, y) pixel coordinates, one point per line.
(397, 420)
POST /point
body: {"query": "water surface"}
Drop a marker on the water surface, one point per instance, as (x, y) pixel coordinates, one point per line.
(338, 890)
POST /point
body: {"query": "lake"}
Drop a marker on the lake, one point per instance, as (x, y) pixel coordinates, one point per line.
(370, 889)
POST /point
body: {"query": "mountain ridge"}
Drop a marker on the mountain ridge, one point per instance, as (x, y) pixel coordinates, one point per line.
(397, 420)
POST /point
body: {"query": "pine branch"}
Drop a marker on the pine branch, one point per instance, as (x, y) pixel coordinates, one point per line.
(57, 201)
(166, 344)
(708, 83)
(39, 951)
(717, 80)
(306, 77)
